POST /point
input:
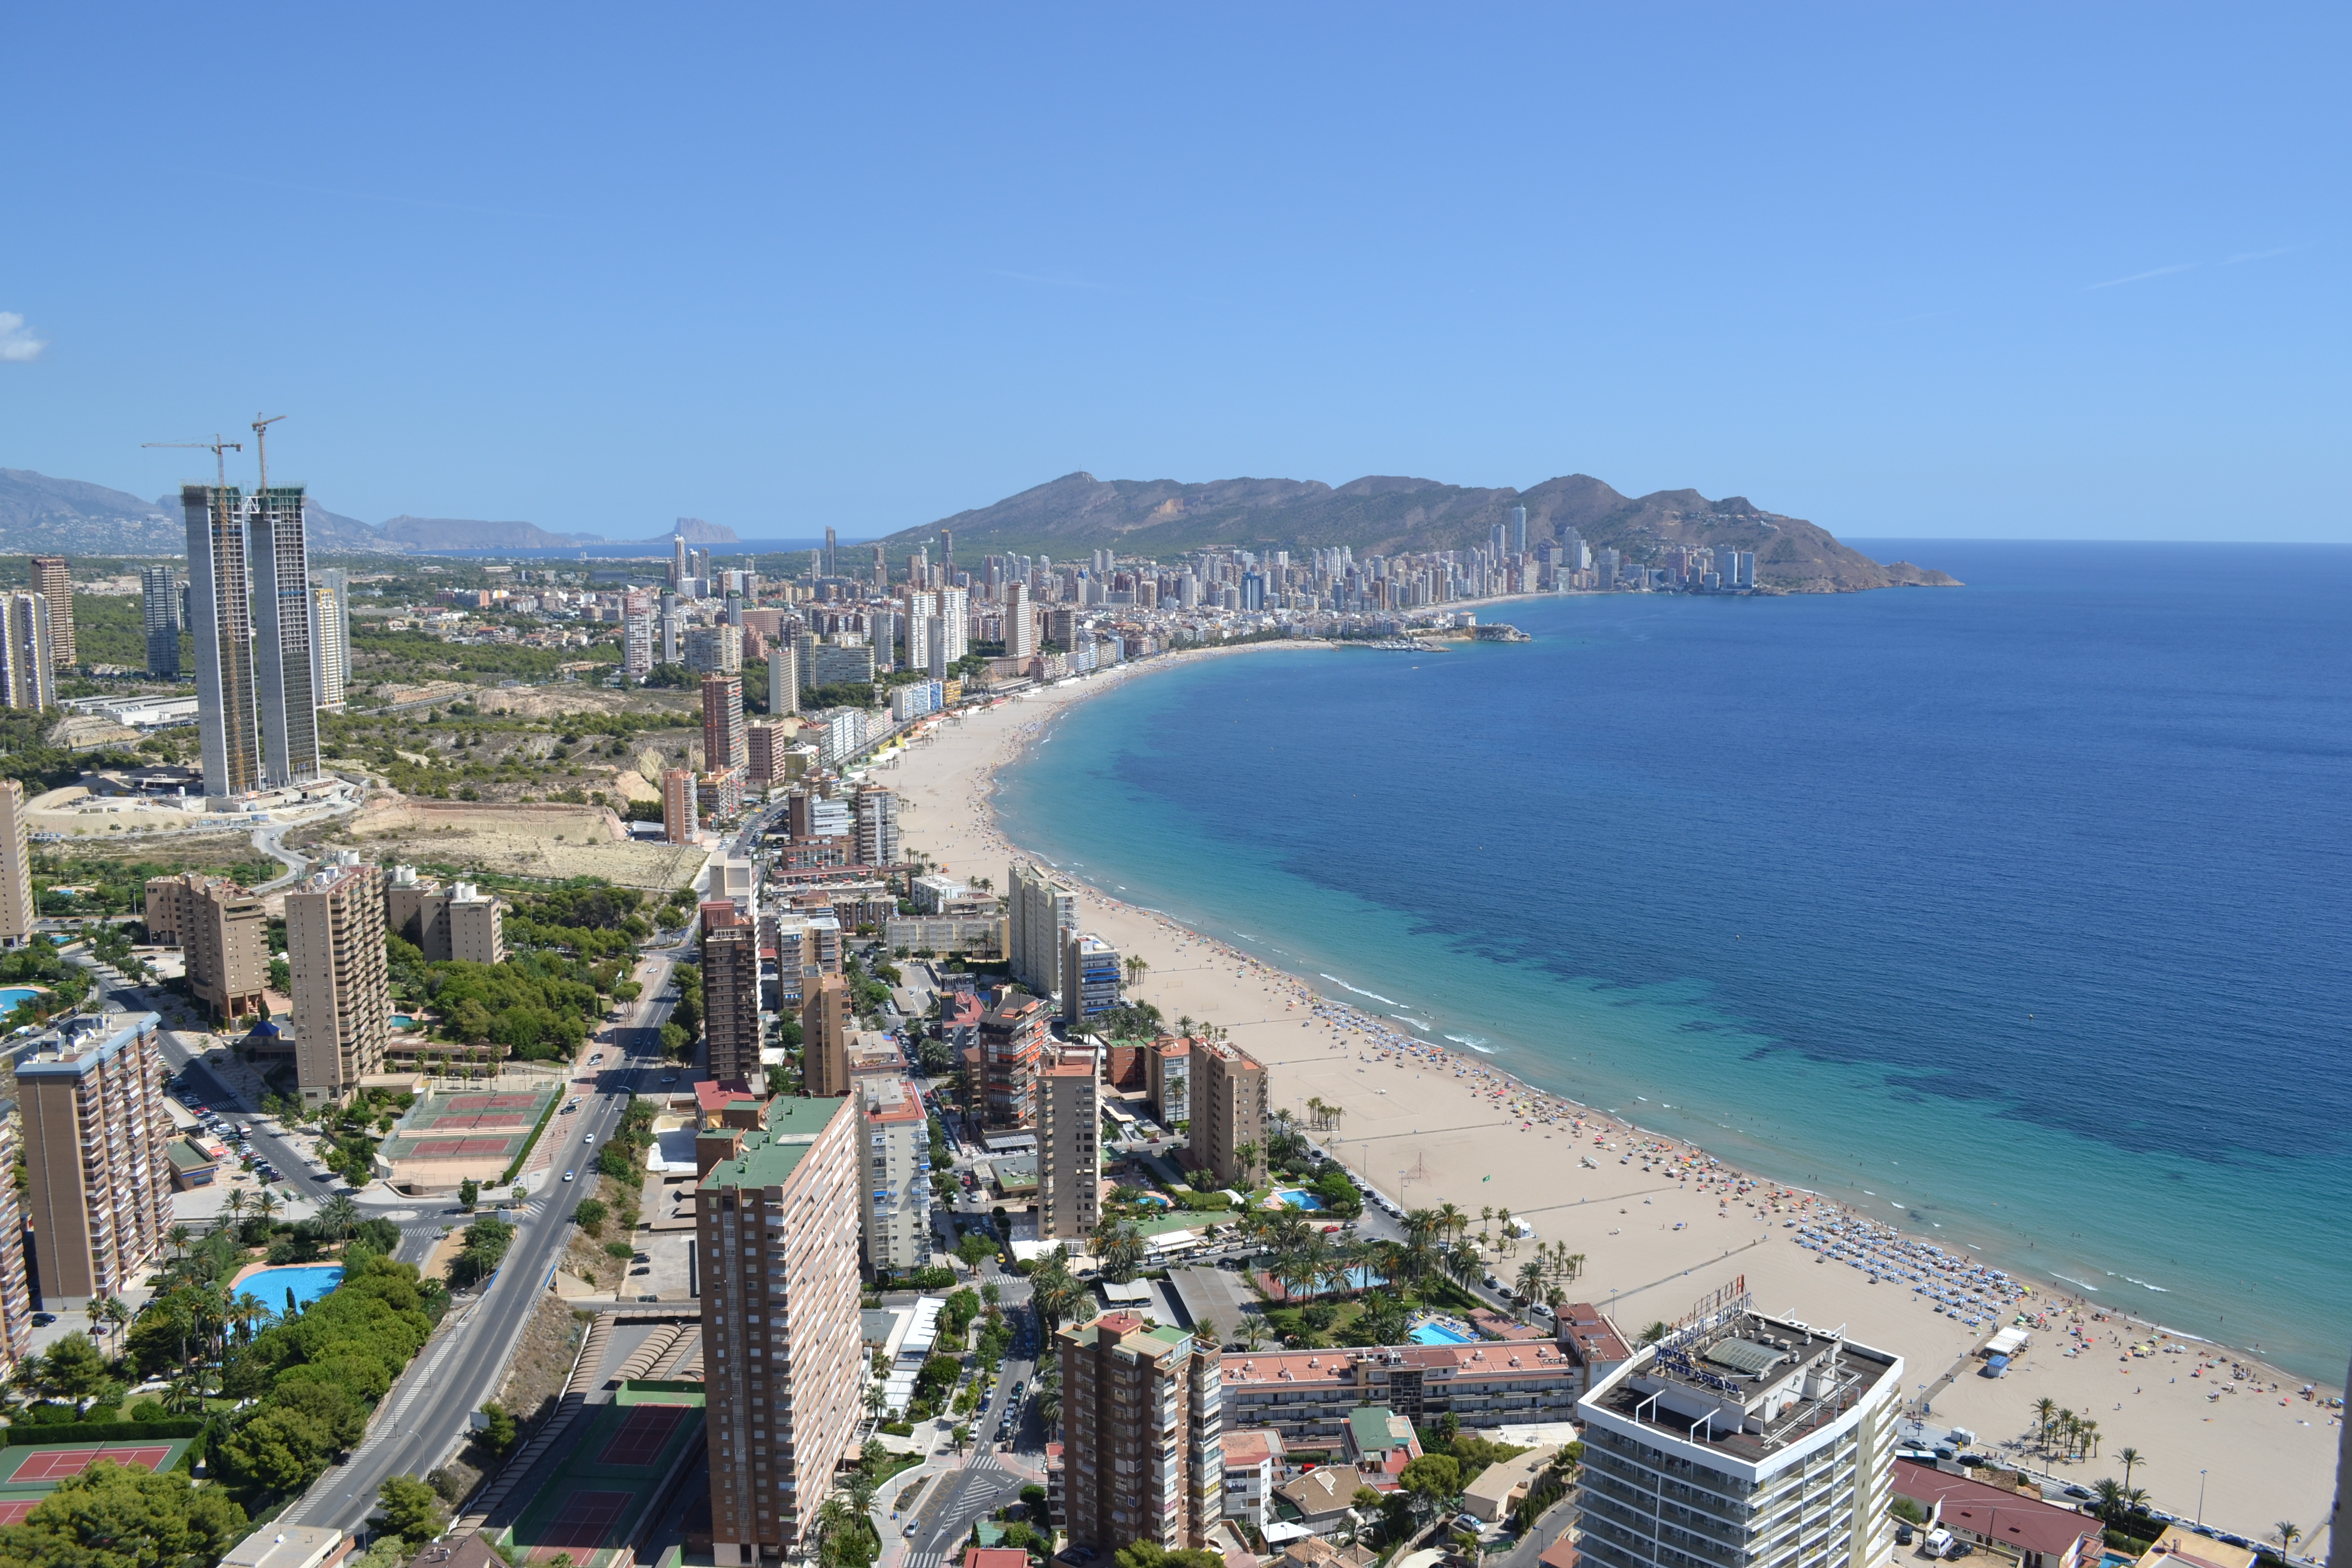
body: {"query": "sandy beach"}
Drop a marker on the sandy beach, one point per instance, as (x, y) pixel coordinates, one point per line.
(1661, 1224)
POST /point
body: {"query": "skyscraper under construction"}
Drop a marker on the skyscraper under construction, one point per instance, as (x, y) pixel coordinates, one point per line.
(250, 617)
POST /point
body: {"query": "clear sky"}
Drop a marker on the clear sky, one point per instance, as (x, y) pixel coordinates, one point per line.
(2042, 271)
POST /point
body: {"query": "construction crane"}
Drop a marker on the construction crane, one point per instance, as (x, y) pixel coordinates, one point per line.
(261, 444)
(216, 446)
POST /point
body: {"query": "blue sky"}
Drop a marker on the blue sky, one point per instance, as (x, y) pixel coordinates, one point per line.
(2062, 272)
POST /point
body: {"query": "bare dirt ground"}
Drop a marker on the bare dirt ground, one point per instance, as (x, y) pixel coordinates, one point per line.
(553, 701)
(549, 1342)
(538, 840)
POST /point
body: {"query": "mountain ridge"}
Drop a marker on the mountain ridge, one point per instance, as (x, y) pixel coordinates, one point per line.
(1390, 514)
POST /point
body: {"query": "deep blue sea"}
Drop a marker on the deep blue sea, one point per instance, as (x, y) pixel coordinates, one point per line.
(2016, 914)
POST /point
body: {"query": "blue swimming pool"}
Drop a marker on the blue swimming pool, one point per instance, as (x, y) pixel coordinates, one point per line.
(309, 1281)
(14, 997)
(1439, 1334)
(403, 1021)
(1292, 1197)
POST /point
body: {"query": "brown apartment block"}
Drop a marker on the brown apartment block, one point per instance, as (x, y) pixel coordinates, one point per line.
(678, 807)
(343, 1002)
(1069, 1153)
(101, 1183)
(730, 995)
(776, 1229)
(223, 935)
(460, 922)
(1012, 1035)
(16, 1299)
(1228, 1112)
(16, 911)
(826, 1026)
(722, 723)
(1142, 1451)
(51, 580)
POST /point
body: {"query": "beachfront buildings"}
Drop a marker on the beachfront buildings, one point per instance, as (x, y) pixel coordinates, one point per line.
(1090, 976)
(1142, 1448)
(1229, 1107)
(1042, 908)
(1740, 1438)
(1308, 1396)
(98, 1192)
(776, 1222)
(876, 817)
(17, 909)
(222, 934)
(893, 1190)
(1069, 1156)
(730, 995)
(1168, 1081)
(1013, 1034)
(460, 923)
(342, 998)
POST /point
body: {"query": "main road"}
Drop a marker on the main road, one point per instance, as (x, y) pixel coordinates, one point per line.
(427, 1414)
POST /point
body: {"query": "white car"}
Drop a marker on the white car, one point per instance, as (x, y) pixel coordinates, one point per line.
(567, 1175)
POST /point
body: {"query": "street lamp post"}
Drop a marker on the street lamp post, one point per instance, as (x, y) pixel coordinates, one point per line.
(2200, 1496)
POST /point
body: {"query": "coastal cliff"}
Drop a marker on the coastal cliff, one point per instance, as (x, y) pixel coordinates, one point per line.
(1383, 515)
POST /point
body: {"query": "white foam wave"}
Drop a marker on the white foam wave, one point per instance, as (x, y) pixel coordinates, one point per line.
(2072, 1280)
(1386, 1001)
(2145, 1286)
(1421, 1024)
(1474, 1042)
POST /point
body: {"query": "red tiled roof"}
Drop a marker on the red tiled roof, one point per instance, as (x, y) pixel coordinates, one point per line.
(1989, 1513)
(995, 1557)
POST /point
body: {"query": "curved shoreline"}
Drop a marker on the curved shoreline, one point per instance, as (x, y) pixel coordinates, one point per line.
(1707, 1193)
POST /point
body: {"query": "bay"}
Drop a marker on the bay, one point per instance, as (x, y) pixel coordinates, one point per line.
(2012, 913)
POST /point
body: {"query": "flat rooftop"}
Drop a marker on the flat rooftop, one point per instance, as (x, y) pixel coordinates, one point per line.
(1747, 1386)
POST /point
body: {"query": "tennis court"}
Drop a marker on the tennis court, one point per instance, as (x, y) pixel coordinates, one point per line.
(459, 1120)
(641, 1435)
(55, 1464)
(494, 1102)
(581, 1525)
(593, 1499)
(14, 1510)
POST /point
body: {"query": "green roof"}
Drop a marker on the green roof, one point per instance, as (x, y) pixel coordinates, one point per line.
(769, 1158)
(1368, 1428)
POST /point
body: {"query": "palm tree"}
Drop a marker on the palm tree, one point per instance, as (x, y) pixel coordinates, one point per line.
(861, 1488)
(1452, 1220)
(835, 1518)
(118, 1318)
(1510, 1241)
(2045, 1408)
(265, 1205)
(878, 1403)
(2110, 1495)
(1247, 1154)
(339, 1217)
(1532, 1279)
(179, 1236)
(2130, 1457)
(2286, 1534)
(1464, 1266)
(1485, 1221)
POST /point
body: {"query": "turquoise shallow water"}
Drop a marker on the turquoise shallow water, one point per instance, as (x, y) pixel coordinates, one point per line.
(2012, 914)
(307, 1281)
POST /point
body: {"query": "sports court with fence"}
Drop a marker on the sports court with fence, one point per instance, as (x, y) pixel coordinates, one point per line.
(450, 1137)
(31, 1471)
(596, 1499)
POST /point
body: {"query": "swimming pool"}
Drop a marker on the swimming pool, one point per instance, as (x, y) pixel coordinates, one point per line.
(1439, 1334)
(1291, 1197)
(309, 1281)
(14, 997)
(403, 1021)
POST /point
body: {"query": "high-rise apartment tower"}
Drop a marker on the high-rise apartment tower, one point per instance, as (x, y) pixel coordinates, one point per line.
(54, 583)
(1143, 1437)
(158, 600)
(1229, 1107)
(1069, 1153)
(17, 911)
(730, 994)
(28, 671)
(776, 1229)
(334, 943)
(249, 615)
(100, 1188)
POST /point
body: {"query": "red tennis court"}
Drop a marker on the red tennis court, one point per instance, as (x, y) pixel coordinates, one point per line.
(57, 1464)
(492, 1101)
(14, 1511)
(459, 1147)
(459, 1121)
(581, 1525)
(639, 1439)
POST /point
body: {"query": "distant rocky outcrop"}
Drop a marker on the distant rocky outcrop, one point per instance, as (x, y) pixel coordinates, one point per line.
(468, 533)
(1385, 515)
(698, 532)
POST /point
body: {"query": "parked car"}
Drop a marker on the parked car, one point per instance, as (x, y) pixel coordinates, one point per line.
(567, 1175)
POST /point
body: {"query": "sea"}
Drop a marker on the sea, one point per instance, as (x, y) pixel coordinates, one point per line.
(2015, 914)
